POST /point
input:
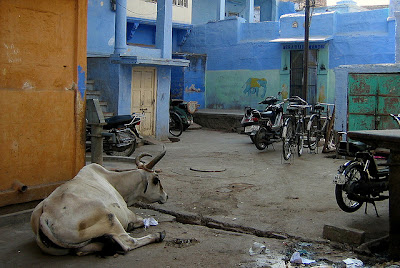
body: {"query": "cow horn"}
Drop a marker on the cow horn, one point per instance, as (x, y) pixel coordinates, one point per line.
(156, 159)
(138, 159)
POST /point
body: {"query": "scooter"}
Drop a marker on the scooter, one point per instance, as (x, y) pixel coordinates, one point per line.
(270, 124)
(363, 179)
(119, 136)
(251, 118)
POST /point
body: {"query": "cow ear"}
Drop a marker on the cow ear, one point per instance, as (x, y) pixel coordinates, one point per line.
(156, 180)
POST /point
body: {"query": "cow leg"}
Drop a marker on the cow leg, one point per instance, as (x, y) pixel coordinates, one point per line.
(135, 221)
(90, 248)
(129, 243)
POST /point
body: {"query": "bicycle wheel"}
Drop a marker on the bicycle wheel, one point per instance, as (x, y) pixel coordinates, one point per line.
(313, 129)
(299, 138)
(175, 124)
(287, 138)
(343, 192)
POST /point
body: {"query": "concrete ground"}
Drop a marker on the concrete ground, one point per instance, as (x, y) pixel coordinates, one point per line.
(224, 195)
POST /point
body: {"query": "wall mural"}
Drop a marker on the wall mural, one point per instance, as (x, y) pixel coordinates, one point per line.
(253, 86)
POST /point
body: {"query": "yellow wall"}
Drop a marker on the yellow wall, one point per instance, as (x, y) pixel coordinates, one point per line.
(148, 10)
(42, 47)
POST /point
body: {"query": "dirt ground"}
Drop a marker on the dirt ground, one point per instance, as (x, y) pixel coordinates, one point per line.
(221, 180)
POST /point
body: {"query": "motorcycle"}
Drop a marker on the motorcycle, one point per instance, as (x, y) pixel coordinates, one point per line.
(119, 139)
(363, 179)
(253, 118)
(181, 115)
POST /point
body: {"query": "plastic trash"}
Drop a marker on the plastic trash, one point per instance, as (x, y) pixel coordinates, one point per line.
(149, 222)
(353, 263)
(297, 259)
(257, 248)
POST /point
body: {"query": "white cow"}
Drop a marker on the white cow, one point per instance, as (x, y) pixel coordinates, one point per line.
(90, 212)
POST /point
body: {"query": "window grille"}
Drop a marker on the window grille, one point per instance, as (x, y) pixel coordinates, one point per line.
(179, 3)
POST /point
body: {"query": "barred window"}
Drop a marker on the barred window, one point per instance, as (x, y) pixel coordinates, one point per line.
(179, 3)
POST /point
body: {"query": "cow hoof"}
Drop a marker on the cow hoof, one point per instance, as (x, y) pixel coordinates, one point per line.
(162, 236)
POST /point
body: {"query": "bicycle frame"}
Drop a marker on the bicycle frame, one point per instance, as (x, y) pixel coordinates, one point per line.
(294, 127)
(315, 129)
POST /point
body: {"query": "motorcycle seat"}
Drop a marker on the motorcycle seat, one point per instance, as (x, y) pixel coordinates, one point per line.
(118, 120)
(319, 107)
(176, 102)
(351, 148)
(267, 114)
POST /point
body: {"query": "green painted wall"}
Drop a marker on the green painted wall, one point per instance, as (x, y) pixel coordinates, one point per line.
(236, 89)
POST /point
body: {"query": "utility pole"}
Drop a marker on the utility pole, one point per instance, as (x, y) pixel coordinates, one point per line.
(306, 48)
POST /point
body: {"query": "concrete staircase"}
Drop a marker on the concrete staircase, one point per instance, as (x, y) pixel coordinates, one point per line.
(91, 93)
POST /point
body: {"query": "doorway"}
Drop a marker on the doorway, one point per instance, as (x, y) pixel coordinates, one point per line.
(144, 98)
(296, 75)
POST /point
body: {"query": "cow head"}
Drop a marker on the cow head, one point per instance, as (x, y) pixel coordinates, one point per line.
(152, 190)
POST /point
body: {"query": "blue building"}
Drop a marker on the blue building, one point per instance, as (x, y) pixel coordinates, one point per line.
(239, 51)
(248, 61)
(130, 56)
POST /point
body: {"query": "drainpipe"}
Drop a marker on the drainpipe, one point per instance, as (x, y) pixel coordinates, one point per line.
(221, 10)
(250, 11)
(394, 14)
(120, 27)
(397, 36)
(164, 28)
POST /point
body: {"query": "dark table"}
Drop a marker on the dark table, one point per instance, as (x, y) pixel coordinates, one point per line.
(389, 139)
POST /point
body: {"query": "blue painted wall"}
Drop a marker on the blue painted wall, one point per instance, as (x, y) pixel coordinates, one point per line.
(188, 83)
(106, 79)
(242, 65)
(363, 38)
(207, 10)
(101, 28)
(241, 56)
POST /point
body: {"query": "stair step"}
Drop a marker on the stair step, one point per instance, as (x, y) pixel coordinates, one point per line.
(89, 86)
(108, 115)
(92, 94)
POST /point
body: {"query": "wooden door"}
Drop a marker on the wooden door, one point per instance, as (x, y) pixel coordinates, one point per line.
(144, 98)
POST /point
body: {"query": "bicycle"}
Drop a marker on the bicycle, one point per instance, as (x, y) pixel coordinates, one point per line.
(294, 126)
(318, 126)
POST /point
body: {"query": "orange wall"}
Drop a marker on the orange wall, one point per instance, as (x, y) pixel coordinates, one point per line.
(42, 46)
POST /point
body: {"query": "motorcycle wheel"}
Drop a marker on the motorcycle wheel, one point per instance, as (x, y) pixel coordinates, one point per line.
(260, 139)
(354, 172)
(287, 137)
(175, 124)
(312, 133)
(121, 136)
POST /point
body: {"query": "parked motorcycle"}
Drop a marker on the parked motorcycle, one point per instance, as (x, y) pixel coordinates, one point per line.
(362, 179)
(183, 110)
(253, 118)
(119, 136)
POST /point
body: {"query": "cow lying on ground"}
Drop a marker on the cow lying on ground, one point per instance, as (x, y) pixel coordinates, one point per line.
(90, 212)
